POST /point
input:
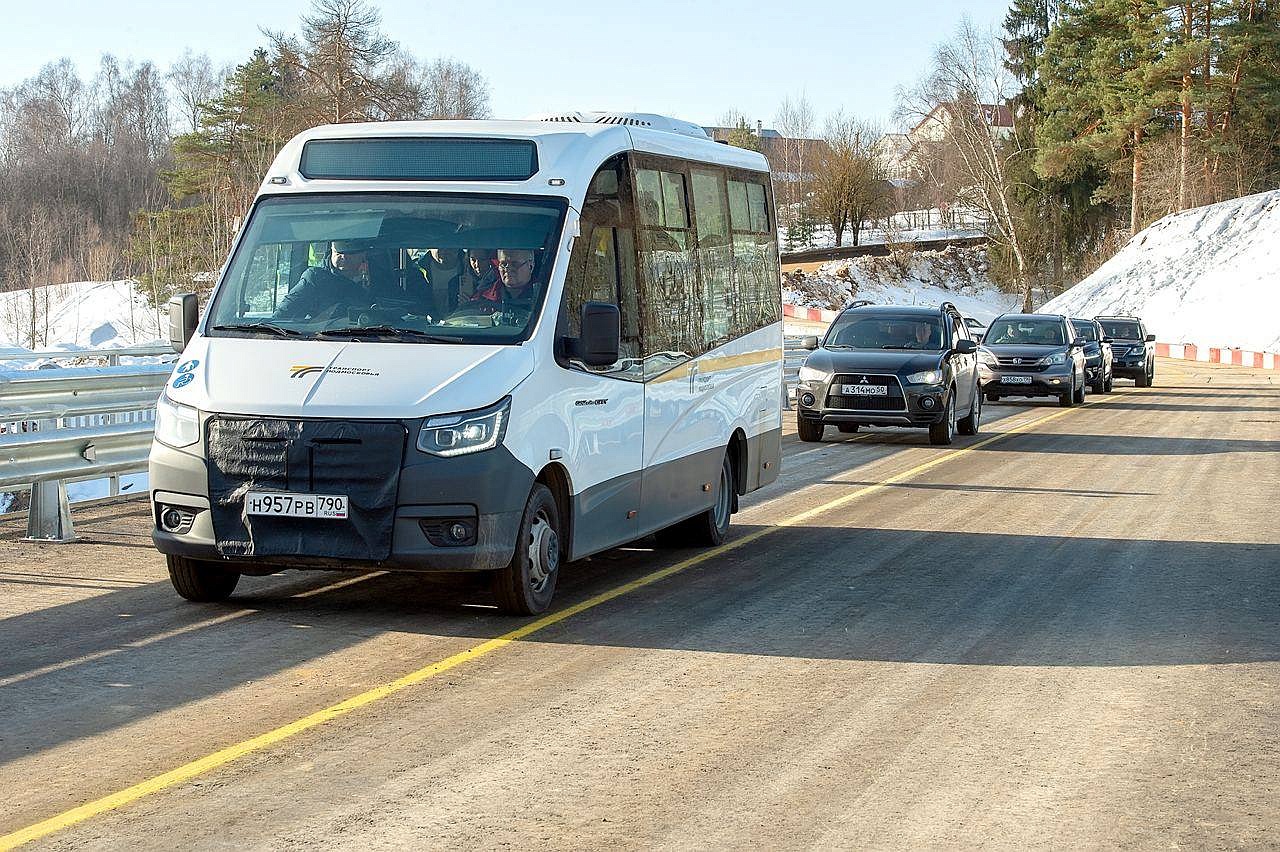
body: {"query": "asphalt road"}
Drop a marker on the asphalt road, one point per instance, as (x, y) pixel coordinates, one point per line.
(1066, 636)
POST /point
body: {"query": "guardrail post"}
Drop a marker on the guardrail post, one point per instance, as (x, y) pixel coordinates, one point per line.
(49, 518)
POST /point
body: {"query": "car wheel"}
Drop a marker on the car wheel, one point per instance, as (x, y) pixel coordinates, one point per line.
(1111, 383)
(528, 582)
(1100, 386)
(970, 424)
(993, 397)
(200, 581)
(1068, 399)
(1140, 380)
(1080, 391)
(848, 428)
(709, 528)
(943, 432)
(810, 432)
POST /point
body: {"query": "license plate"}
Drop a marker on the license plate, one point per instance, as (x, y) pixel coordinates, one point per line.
(283, 504)
(1015, 380)
(865, 390)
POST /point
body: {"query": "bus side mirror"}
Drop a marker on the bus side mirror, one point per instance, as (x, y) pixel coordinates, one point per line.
(601, 336)
(184, 315)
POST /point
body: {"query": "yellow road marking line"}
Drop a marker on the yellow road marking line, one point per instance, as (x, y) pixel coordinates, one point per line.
(219, 758)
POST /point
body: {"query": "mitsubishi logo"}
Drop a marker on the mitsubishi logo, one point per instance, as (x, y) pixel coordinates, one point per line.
(864, 381)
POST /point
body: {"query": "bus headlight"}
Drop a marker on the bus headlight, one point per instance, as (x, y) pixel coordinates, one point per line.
(470, 432)
(177, 425)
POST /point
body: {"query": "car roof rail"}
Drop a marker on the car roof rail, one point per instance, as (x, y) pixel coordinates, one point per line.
(950, 307)
(1117, 316)
(858, 303)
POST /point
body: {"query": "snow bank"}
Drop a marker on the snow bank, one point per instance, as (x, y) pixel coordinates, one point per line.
(1209, 276)
(955, 274)
(80, 315)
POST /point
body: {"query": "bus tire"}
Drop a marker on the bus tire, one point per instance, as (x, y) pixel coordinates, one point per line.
(199, 581)
(706, 529)
(528, 582)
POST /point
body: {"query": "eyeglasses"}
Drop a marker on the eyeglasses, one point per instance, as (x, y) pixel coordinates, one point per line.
(507, 264)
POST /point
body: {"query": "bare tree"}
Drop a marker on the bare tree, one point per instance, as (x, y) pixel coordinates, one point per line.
(449, 88)
(194, 82)
(850, 184)
(965, 92)
(794, 122)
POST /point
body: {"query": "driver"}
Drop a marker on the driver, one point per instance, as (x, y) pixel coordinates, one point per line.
(923, 334)
(343, 281)
(514, 288)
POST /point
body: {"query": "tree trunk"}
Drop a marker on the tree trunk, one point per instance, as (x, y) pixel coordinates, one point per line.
(1184, 134)
(1137, 181)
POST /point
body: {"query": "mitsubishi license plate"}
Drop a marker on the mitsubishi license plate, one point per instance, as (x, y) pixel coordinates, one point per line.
(864, 390)
(283, 504)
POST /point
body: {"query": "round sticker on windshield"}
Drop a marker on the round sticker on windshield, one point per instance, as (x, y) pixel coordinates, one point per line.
(187, 367)
(183, 380)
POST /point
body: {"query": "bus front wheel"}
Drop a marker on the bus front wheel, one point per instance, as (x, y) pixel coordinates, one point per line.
(528, 582)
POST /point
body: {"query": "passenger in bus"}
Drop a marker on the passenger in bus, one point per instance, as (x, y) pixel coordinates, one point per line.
(514, 289)
(482, 270)
(442, 272)
(342, 282)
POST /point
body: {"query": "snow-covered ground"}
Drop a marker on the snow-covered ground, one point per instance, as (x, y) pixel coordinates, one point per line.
(1209, 276)
(80, 315)
(955, 274)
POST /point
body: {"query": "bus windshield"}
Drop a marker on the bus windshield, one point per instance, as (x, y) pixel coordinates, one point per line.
(415, 268)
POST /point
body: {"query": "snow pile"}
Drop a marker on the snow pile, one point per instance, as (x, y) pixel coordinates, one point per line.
(955, 274)
(81, 315)
(1209, 276)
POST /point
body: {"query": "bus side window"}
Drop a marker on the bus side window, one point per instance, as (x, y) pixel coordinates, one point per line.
(602, 266)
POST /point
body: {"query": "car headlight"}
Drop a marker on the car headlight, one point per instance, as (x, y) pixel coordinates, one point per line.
(810, 374)
(988, 360)
(927, 377)
(177, 425)
(469, 432)
(1055, 358)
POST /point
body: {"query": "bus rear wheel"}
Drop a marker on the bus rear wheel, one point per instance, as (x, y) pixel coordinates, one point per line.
(706, 529)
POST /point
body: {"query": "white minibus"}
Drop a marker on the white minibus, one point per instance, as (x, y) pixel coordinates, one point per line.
(492, 346)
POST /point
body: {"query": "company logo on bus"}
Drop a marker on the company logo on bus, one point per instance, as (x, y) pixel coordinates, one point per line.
(298, 371)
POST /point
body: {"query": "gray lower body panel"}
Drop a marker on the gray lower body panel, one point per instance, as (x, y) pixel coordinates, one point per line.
(487, 490)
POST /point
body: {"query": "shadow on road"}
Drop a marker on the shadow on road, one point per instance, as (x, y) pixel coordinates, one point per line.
(1126, 445)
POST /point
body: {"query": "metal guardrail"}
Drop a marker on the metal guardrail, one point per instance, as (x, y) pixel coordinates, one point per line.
(111, 356)
(80, 423)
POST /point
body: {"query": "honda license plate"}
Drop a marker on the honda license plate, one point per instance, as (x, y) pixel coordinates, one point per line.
(1015, 380)
(865, 390)
(282, 504)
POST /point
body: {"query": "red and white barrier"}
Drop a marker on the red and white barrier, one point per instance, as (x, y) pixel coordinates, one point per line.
(1219, 355)
(808, 314)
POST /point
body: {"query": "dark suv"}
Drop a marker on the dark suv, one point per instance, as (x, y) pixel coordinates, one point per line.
(891, 366)
(1098, 356)
(1132, 349)
(1035, 355)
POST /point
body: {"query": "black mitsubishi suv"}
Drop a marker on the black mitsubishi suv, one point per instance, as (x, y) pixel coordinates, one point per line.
(1132, 349)
(884, 365)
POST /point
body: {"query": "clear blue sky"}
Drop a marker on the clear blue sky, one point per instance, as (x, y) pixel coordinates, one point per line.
(686, 58)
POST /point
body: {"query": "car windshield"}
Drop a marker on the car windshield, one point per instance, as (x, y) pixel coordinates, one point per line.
(409, 268)
(1086, 331)
(1026, 331)
(854, 331)
(1121, 329)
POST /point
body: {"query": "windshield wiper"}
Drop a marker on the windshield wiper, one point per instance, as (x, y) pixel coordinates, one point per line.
(365, 331)
(268, 327)
(891, 346)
